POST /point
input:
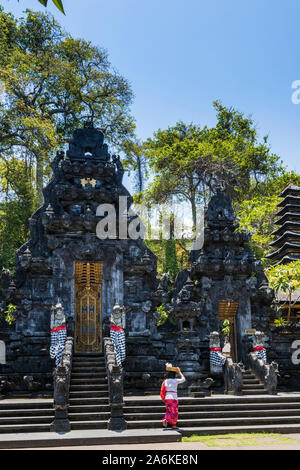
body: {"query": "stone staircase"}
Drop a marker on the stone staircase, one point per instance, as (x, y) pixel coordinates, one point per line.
(25, 416)
(219, 415)
(89, 402)
(89, 408)
(252, 385)
(89, 398)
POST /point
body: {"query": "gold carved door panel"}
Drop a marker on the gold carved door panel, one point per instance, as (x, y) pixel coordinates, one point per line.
(88, 307)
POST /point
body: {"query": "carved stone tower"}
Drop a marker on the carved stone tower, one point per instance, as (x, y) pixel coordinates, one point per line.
(65, 260)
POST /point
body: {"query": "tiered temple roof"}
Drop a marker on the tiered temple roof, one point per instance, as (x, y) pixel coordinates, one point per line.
(287, 241)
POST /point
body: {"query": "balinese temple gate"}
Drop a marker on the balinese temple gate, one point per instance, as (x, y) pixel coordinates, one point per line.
(66, 262)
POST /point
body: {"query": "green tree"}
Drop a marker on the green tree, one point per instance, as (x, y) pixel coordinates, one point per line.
(285, 279)
(170, 264)
(52, 82)
(258, 214)
(17, 204)
(134, 160)
(189, 161)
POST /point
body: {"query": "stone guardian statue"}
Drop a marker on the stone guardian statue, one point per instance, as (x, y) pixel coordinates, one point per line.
(58, 333)
(259, 346)
(117, 333)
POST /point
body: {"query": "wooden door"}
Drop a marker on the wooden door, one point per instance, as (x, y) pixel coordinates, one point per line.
(88, 307)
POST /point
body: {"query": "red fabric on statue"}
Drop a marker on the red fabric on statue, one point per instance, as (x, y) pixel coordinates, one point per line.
(116, 328)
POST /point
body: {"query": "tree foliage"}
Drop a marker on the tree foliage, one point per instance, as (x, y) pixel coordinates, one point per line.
(189, 161)
(18, 202)
(258, 214)
(285, 279)
(52, 82)
(57, 3)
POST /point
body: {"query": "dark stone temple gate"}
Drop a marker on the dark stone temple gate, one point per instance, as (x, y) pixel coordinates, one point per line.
(65, 261)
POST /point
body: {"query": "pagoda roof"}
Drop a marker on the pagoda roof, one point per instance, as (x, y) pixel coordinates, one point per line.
(289, 208)
(288, 216)
(290, 189)
(290, 198)
(286, 259)
(289, 224)
(288, 234)
(288, 246)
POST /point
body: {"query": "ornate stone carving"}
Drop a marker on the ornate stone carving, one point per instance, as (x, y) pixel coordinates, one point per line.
(233, 377)
(115, 385)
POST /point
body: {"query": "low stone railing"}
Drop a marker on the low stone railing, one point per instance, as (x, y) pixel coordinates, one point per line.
(61, 381)
(115, 385)
(267, 373)
(233, 377)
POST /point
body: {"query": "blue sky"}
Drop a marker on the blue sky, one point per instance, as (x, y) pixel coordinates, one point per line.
(181, 56)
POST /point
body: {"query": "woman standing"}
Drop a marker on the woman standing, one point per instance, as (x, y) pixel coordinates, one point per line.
(169, 396)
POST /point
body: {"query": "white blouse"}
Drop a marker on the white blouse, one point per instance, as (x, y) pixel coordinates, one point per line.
(171, 388)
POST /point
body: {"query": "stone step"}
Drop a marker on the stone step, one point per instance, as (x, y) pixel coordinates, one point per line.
(26, 412)
(183, 415)
(19, 405)
(255, 392)
(89, 394)
(76, 425)
(92, 362)
(88, 387)
(268, 407)
(91, 416)
(26, 420)
(26, 428)
(92, 381)
(88, 375)
(216, 400)
(89, 370)
(195, 388)
(93, 437)
(251, 381)
(198, 394)
(255, 386)
(89, 409)
(90, 401)
(78, 355)
(85, 365)
(186, 423)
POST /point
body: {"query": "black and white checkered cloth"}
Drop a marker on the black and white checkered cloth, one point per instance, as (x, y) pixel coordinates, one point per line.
(217, 358)
(57, 347)
(262, 354)
(118, 338)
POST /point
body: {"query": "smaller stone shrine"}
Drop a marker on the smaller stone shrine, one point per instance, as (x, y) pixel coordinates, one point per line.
(225, 281)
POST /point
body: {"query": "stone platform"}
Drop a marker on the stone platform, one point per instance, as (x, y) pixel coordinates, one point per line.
(86, 438)
(218, 414)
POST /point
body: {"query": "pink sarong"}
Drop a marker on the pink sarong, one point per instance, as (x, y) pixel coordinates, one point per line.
(171, 412)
